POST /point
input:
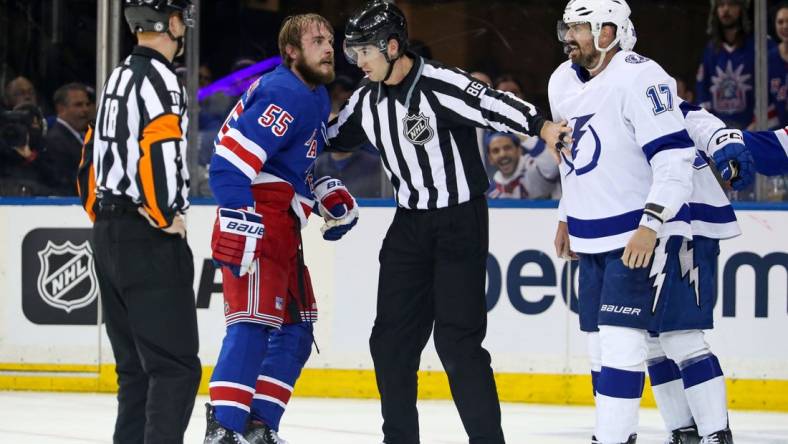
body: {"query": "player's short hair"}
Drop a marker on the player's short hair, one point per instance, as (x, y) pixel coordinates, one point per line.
(61, 94)
(293, 28)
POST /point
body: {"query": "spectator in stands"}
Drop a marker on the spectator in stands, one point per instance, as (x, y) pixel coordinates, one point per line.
(205, 76)
(64, 139)
(340, 91)
(21, 169)
(483, 77)
(18, 91)
(519, 175)
(726, 76)
(684, 91)
(778, 69)
(361, 171)
(91, 103)
(508, 83)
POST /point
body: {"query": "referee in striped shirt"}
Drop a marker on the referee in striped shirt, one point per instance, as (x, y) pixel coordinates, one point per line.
(422, 117)
(133, 181)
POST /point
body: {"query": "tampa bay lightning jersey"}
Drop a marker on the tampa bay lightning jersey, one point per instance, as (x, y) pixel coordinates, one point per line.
(630, 147)
(726, 82)
(273, 134)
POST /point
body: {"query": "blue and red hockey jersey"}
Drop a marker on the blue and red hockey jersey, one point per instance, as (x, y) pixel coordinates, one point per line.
(273, 134)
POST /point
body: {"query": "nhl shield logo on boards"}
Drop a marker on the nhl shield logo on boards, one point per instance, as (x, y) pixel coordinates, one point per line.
(416, 128)
(67, 279)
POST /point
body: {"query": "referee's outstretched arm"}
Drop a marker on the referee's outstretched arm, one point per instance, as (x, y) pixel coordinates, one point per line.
(460, 97)
(475, 104)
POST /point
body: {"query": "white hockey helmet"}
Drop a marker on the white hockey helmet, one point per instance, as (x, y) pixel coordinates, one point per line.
(597, 13)
(628, 37)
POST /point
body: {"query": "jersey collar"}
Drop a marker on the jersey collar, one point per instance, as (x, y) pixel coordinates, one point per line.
(403, 91)
(581, 72)
(151, 53)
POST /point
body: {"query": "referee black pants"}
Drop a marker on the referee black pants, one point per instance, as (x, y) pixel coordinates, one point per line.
(432, 273)
(146, 279)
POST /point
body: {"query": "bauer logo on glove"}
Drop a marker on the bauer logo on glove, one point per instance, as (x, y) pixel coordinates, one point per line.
(337, 207)
(241, 222)
(236, 239)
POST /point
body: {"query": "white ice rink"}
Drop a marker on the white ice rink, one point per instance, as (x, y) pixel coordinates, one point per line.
(66, 418)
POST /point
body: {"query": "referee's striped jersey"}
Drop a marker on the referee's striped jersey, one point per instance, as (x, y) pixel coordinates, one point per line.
(425, 130)
(138, 142)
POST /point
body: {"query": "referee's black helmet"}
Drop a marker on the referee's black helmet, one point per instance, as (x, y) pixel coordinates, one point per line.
(154, 15)
(375, 24)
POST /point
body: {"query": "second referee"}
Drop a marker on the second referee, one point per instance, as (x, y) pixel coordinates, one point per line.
(133, 181)
(422, 117)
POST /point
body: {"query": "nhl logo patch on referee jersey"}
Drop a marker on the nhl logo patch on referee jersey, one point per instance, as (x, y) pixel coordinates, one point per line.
(417, 128)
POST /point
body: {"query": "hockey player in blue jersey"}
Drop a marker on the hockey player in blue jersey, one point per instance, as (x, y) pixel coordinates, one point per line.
(261, 177)
(737, 154)
(622, 201)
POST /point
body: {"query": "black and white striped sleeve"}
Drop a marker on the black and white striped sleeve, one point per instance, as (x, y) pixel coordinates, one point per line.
(473, 103)
(162, 143)
(345, 132)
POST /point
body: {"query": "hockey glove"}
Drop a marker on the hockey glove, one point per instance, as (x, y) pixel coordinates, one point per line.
(236, 239)
(337, 207)
(734, 161)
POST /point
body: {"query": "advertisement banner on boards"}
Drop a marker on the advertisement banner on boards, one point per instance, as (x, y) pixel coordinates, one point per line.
(50, 310)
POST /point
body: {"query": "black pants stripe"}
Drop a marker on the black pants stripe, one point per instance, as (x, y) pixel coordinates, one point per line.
(146, 278)
(432, 273)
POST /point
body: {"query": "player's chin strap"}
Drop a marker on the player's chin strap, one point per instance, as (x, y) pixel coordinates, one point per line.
(178, 41)
(602, 53)
(391, 67)
(391, 63)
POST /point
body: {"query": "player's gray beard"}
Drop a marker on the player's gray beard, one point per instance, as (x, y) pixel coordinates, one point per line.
(312, 76)
(589, 61)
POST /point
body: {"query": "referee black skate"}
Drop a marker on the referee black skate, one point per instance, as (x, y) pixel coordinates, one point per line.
(136, 191)
(422, 117)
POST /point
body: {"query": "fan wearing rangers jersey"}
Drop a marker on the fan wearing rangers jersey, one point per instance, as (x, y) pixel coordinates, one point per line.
(261, 177)
(628, 188)
(533, 175)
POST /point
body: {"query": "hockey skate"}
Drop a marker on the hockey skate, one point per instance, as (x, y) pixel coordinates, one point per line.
(721, 437)
(684, 435)
(632, 439)
(260, 433)
(215, 433)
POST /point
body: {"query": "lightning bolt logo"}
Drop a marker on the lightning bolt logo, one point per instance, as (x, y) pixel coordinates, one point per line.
(689, 269)
(577, 135)
(658, 271)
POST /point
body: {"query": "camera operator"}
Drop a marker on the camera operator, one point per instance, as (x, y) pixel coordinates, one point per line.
(22, 132)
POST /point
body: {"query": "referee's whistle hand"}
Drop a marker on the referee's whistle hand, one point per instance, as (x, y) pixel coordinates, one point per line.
(558, 138)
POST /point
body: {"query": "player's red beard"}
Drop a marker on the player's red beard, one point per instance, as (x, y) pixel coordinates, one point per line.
(313, 75)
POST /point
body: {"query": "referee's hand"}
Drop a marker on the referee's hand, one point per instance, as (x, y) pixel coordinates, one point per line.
(558, 137)
(178, 225)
